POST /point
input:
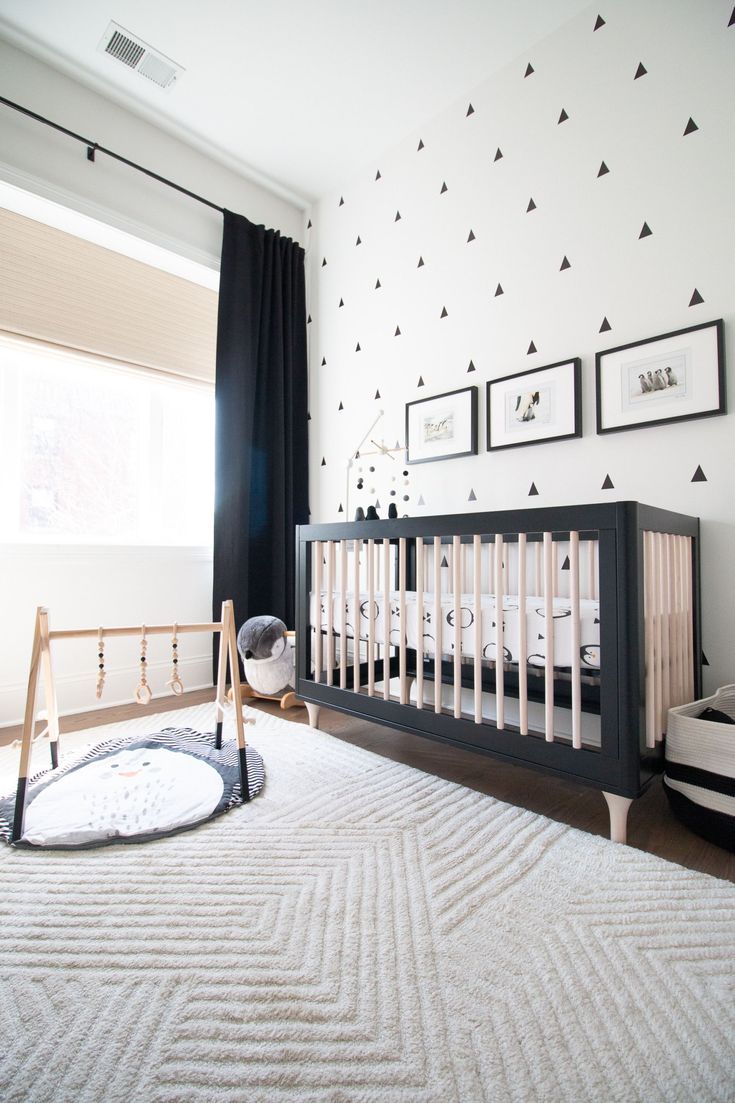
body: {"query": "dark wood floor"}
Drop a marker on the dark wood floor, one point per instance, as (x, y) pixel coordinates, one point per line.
(651, 826)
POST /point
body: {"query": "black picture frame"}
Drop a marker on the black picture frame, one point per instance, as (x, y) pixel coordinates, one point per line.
(425, 443)
(557, 404)
(637, 392)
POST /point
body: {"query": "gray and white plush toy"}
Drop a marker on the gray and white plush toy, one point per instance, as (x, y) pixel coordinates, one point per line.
(267, 655)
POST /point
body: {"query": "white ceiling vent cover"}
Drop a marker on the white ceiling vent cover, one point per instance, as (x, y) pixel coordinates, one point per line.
(139, 56)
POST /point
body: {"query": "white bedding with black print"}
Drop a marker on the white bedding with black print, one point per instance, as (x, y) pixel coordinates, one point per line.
(536, 626)
(133, 789)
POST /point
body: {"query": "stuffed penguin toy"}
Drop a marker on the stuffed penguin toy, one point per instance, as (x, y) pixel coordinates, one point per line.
(266, 654)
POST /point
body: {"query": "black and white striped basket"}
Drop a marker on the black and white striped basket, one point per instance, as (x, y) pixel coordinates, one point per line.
(699, 778)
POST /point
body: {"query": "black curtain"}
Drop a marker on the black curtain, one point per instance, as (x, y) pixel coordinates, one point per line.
(261, 468)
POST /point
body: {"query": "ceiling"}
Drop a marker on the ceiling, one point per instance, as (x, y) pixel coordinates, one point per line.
(298, 95)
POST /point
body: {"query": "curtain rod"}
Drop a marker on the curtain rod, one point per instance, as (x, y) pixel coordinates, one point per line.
(95, 147)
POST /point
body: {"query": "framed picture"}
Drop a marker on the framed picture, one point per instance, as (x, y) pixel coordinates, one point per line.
(442, 427)
(673, 377)
(535, 406)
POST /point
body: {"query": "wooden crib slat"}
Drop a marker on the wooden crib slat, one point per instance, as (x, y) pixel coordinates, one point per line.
(576, 663)
(499, 634)
(671, 563)
(343, 614)
(522, 636)
(688, 609)
(371, 616)
(402, 619)
(649, 632)
(665, 647)
(591, 571)
(420, 589)
(330, 612)
(549, 633)
(386, 620)
(356, 615)
(477, 603)
(317, 556)
(437, 625)
(457, 586)
(537, 568)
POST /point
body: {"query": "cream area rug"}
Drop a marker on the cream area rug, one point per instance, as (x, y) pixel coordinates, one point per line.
(361, 932)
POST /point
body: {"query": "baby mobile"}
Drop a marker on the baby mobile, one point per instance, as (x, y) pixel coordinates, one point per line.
(368, 478)
(143, 693)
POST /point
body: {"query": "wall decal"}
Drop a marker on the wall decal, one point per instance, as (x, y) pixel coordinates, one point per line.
(341, 407)
(696, 298)
(566, 566)
(605, 326)
(397, 332)
(357, 347)
(471, 237)
(470, 111)
(443, 188)
(421, 381)
(705, 660)
(324, 361)
(398, 217)
(420, 263)
(324, 462)
(359, 240)
(531, 349)
(324, 262)
(564, 265)
(599, 22)
(640, 71)
(444, 313)
(341, 302)
(308, 225)
(672, 377)
(308, 320)
(340, 510)
(690, 127)
(499, 291)
(529, 69)
(420, 145)
(533, 491)
(498, 154)
(421, 501)
(471, 367)
(442, 427)
(531, 206)
(646, 231)
(341, 201)
(377, 175)
(378, 284)
(699, 476)
(377, 394)
(308, 416)
(607, 484)
(536, 406)
(603, 170)
(563, 117)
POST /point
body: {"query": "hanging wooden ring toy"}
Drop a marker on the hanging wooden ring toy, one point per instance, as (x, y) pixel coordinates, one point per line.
(177, 686)
(143, 693)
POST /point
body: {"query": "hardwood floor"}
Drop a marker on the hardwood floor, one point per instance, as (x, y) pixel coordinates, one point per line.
(651, 825)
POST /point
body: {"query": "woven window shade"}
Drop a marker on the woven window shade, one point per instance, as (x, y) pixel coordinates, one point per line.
(60, 288)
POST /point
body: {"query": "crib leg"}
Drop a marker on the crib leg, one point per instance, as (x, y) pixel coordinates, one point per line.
(313, 711)
(618, 808)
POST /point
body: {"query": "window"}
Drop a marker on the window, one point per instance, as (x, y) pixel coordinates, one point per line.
(94, 452)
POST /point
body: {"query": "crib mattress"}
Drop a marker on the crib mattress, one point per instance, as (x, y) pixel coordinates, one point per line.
(537, 631)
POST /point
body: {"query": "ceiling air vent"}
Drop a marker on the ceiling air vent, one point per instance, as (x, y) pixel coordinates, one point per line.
(139, 56)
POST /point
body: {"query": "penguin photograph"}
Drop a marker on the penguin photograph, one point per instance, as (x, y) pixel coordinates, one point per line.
(650, 382)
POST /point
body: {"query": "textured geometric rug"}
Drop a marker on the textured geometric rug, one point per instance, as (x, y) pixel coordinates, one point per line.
(362, 933)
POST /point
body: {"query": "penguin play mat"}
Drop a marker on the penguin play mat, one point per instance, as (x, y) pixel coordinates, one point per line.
(132, 789)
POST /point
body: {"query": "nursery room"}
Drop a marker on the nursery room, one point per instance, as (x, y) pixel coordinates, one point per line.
(367, 665)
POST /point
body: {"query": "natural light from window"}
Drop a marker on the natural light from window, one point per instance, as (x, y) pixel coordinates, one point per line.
(94, 452)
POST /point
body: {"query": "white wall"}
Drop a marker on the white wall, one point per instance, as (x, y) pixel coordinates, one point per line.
(681, 186)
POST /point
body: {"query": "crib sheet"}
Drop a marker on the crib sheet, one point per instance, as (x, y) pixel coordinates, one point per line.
(536, 625)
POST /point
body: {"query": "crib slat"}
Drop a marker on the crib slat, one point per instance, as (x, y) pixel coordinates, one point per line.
(549, 631)
(477, 603)
(343, 614)
(522, 636)
(576, 665)
(330, 612)
(649, 630)
(356, 615)
(386, 620)
(499, 635)
(591, 573)
(457, 580)
(420, 588)
(658, 642)
(688, 609)
(402, 618)
(537, 566)
(371, 616)
(317, 555)
(665, 648)
(437, 625)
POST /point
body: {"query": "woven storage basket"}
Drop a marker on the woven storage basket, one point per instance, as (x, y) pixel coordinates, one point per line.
(699, 779)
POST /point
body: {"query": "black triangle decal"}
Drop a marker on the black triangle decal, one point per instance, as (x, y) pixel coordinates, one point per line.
(531, 206)
(696, 298)
(341, 407)
(605, 326)
(397, 332)
(699, 476)
(443, 188)
(308, 225)
(646, 231)
(533, 491)
(529, 69)
(324, 361)
(640, 71)
(731, 22)
(564, 265)
(421, 501)
(498, 154)
(324, 261)
(470, 111)
(357, 347)
(705, 660)
(308, 417)
(377, 394)
(357, 455)
(443, 313)
(398, 217)
(471, 367)
(308, 320)
(340, 510)
(359, 240)
(324, 462)
(471, 237)
(341, 302)
(539, 636)
(565, 565)
(563, 117)
(420, 145)
(421, 381)
(603, 170)
(444, 561)
(599, 22)
(607, 484)
(341, 201)
(420, 263)
(531, 348)
(499, 291)
(690, 127)
(377, 284)
(472, 497)
(377, 175)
